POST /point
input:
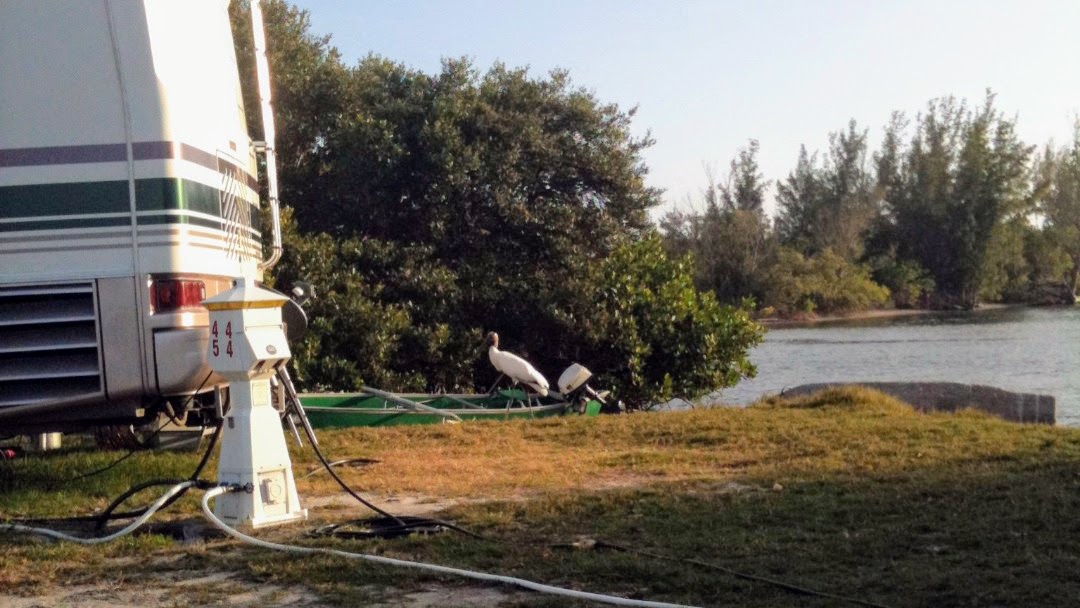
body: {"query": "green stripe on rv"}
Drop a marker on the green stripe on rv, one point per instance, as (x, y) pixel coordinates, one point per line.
(86, 198)
(91, 222)
(169, 194)
(179, 219)
(63, 199)
(52, 201)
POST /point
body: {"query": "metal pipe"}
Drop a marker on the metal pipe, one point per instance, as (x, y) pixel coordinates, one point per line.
(262, 69)
(409, 404)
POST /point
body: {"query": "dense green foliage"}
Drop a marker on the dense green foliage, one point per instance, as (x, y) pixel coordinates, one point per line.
(951, 210)
(1059, 203)
(657, 333)
(831, 205)
(825, 282)
(964, 173)
(794, 268)
(908, 283)
(431, 208)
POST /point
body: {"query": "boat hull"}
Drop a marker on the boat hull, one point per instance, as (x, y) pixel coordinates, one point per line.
(343, 410)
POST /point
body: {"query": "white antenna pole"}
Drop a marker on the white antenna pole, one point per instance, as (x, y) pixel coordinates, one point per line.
(262, 69)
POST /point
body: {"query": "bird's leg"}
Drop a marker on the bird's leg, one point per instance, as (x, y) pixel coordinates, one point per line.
(510, 396)
(491, 391)
(526, 401)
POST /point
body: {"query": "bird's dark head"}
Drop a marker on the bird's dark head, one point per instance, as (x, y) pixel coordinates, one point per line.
(492, 339)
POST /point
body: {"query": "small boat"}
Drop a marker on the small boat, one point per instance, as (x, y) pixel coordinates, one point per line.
(378, 408)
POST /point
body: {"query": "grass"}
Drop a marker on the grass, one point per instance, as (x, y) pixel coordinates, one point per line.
(847, 491)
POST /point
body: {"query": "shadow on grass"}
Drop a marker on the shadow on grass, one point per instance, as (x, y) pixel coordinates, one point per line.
(954, 536)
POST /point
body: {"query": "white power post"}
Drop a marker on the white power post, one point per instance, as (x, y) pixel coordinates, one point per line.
(247, 346)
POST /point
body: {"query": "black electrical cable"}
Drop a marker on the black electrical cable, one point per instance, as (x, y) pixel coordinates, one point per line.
(103, 469)
(388, 526)
(329, 469)
(292, 401)
(108, 467)
(402, 525)
(750, 577)
(101, 519)
(209, 452)
(108, 514)
(384, 527)
(132, 451)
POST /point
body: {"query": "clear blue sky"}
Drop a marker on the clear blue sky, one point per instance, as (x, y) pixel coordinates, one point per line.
(707, 76)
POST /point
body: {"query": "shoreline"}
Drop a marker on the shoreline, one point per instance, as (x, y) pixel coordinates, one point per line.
(881, 313)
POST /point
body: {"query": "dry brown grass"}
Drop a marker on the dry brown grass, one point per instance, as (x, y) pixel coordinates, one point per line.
(847, 431)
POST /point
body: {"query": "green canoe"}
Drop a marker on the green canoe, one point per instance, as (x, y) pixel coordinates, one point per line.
(336, 410)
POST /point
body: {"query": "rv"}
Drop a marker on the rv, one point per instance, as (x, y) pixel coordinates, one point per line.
(128, 195)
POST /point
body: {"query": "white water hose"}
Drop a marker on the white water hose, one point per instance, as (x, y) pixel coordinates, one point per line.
(481, 576)
(173, 491)
(218, 491)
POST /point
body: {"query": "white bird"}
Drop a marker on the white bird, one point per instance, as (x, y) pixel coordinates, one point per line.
(515, 368)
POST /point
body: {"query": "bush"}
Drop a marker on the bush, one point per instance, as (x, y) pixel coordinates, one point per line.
(907, 281)
(655, 335)
(824, 283)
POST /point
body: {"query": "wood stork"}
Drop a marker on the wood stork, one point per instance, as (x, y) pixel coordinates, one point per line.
(514, 367)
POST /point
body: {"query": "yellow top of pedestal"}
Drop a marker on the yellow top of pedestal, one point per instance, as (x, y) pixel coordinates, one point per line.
(245, 294)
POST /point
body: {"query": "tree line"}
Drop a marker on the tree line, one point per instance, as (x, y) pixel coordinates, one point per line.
(951, 209)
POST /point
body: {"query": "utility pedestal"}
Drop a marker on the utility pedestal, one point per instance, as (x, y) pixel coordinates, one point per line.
(247, 345)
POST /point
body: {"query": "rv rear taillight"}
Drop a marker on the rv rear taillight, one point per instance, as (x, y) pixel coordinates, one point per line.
(168, 295)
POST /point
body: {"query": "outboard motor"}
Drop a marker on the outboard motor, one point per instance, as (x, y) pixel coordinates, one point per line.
(573, 384)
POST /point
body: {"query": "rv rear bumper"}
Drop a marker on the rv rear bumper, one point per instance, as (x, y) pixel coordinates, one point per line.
(180, 360)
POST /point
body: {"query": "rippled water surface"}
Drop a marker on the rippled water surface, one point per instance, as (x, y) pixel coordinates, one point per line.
(1035, 350)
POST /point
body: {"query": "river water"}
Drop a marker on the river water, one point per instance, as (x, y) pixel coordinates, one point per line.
(1031, 350)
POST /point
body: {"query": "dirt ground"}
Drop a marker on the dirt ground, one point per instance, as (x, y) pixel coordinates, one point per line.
(219, 589)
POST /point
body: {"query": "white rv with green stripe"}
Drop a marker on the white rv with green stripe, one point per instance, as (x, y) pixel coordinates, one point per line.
(128, 192)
